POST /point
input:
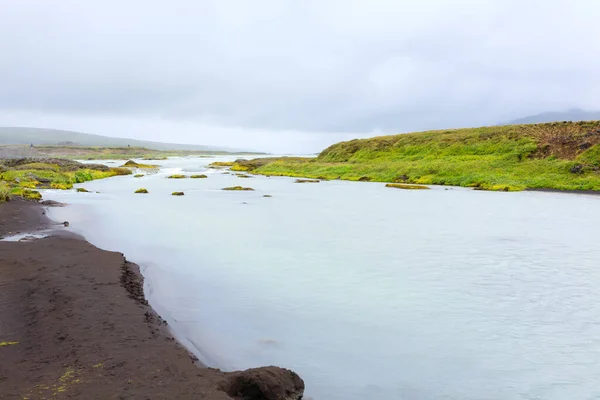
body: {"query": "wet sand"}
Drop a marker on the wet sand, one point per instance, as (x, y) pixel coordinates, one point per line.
(74, 324)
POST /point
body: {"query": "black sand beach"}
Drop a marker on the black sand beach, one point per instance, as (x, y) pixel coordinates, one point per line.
(74, 324)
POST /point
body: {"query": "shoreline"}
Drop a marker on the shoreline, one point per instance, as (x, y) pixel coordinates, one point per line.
(76, 324)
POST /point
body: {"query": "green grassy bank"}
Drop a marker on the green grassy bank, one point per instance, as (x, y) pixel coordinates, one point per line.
(22, 177)
(561, 155)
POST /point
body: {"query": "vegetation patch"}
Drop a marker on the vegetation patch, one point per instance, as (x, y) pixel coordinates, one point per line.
(243, 176)
(138, 175)
(560, 155)
(82, 190)
(176, 176)
(237, 188)
(4, 192)
(2, 344)
(406, 186)
(142, 191)
(200, 176)
(177, 194)
(220, 164)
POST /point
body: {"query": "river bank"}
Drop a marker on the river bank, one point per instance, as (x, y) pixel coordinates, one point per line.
(76, 324)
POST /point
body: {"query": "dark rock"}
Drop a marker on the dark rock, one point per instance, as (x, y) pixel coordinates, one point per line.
(268, 383)
(52, 203)
(577, 169)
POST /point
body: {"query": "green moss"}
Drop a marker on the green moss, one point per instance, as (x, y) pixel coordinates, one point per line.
(201, 176)
(4, 192)
(220, 164)
(61, 186)
(27, 194)
(237, 188)
(82, 190)
(138, 175)
(2, 344)
(243, 176)
(563, 156)
(405, 186)
(142, 191)
(176, 176)
(177, 194)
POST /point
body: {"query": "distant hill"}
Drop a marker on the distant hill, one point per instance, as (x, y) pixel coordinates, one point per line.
(571, 115)
(49, 137)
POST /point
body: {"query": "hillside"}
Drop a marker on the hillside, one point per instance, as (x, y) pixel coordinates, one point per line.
(562, 156)
(558, 116)
(52, 137)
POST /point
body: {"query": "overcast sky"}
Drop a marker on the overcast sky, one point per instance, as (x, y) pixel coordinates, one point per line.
(292, 75)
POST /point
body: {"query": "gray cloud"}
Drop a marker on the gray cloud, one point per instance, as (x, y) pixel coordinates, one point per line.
(300, 73)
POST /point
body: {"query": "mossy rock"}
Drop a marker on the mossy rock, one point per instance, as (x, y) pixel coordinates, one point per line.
(176, 176)
(201, 176)
(133, 164)
(142, 191)
(243, 176)
(82, 190)
(307, 181)
(177, 194)
(130, 164)
(138, 175)
(406, 186)
(267, 195)
(237, 188)
(220, 164)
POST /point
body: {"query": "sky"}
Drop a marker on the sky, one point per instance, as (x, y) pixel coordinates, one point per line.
(292, 76)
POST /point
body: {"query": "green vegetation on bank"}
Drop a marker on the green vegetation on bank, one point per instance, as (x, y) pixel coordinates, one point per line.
(21, 177)
(560, 155)
(406, 186)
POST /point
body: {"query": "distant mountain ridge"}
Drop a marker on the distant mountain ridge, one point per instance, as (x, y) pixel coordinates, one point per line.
(554, 116)
(55, 137)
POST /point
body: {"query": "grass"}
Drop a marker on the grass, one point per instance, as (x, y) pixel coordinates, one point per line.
(2, 344)
(4, 192)
(562, 155)
(237, 188)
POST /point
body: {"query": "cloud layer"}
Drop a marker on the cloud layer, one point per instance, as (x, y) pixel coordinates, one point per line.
(292, 76)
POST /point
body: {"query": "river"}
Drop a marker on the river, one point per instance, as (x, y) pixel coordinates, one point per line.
(367, 292)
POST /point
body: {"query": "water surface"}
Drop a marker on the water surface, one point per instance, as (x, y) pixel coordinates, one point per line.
(367, 292)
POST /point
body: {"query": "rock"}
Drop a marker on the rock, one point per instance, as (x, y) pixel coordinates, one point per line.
(138, 175)
(176, 176)
(66, 224)
(267, 195)
(267, 383)
(82, 190)
(201, 176)
(577, 169)
(130, 163)
(142, 191)
(307, 181)
(177, 194)
(52, 203)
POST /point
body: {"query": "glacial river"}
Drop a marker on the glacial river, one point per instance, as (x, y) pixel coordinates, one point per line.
(367, 292)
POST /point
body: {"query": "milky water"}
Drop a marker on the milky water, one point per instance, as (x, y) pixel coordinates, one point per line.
(367, 292)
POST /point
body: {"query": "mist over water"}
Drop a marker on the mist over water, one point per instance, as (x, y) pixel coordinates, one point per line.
(367, 292)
